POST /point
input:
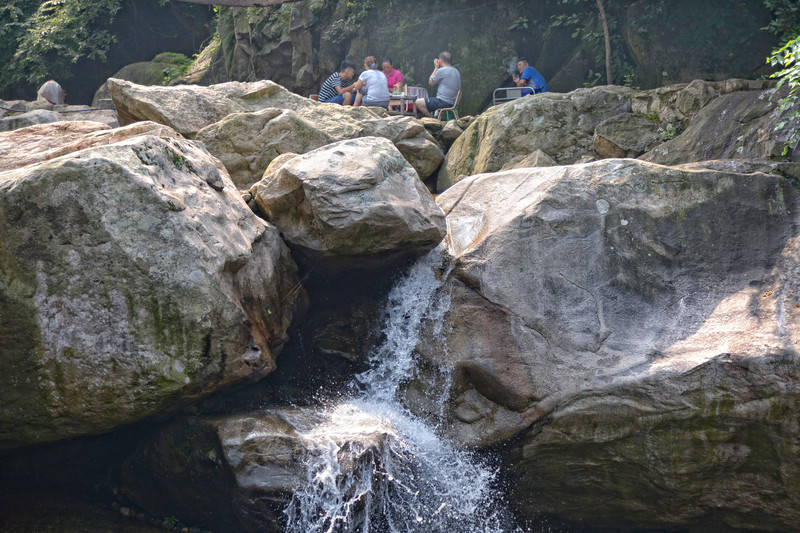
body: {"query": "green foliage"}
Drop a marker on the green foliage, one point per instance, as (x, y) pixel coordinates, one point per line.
(787, 60)
(668, 131)
(176, 65)
(347, 26)
(520, 24)
(13, 15)
(785, 21)
(55, 36)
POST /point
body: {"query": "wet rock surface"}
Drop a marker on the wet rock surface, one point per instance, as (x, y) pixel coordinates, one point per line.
(623, 332)
(238, 472)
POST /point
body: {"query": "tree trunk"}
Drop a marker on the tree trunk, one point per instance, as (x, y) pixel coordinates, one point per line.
(240, 3)
(604, 20)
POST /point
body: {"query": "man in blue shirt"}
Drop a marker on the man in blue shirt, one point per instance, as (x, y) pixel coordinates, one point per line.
(529, 78)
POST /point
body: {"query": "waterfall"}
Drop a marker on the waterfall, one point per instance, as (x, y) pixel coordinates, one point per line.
(377, 468)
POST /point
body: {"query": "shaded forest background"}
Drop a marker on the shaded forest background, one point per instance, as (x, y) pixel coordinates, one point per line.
(81, 43)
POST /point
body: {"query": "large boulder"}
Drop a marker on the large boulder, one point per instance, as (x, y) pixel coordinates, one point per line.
(737, 125)
(635, 327)
(189, 108)
(238, 472)
(678, 103)
(350, 199)
(560, 125)
(51, 92)
(43, 142)
(133, 278)
(247, 125)
(626, 135)
(247, 142)
(29, 118)
(26, 114)
(161, 69)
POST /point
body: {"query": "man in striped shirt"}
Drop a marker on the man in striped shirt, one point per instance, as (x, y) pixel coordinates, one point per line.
(338, 88)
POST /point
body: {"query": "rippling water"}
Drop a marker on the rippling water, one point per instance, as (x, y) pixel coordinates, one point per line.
(377, 468)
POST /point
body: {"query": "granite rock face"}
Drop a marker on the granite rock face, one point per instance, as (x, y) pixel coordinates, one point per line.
(351, 199)
(21, 114)
(248, 142)
(247, 125)
(682, 123)
(560, 125)
(626, 135)
(190, 108)
(132, 279)
(635, 327)
(43, 142)
(736, 125)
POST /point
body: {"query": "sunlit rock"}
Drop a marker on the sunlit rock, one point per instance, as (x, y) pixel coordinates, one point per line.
(39, 143)
(635, 329)
(351, 199)
(132, 279)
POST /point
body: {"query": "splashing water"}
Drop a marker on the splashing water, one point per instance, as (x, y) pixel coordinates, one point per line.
(374, 466)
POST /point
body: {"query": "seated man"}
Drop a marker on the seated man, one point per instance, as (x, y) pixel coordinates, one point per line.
(448, 78)
(338, 88)
(529, 78)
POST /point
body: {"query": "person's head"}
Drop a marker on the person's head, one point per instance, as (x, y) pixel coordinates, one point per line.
(521, 64)
(386, 65)
(446, 58)
(370, 63)
(347, 70)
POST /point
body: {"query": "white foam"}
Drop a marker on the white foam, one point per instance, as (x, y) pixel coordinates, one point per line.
(377, 468)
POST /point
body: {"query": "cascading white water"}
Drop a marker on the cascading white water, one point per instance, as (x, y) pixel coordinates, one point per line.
(377, 468)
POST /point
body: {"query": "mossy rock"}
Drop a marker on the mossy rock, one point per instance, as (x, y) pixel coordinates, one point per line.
(107, 319)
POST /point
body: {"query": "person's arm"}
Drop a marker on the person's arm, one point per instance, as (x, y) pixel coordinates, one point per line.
(433, 80)
(526, 79)
(339, 88)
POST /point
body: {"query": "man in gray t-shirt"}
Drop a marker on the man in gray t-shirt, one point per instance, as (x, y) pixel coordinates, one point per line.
(448, 78)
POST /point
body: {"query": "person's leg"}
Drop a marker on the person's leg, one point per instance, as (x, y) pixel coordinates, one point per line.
(359, 97)
(335, 100)
(421, 107)
(375, 103)
(347, 98)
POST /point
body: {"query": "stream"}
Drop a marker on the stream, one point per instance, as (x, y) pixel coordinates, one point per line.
(375, 467)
